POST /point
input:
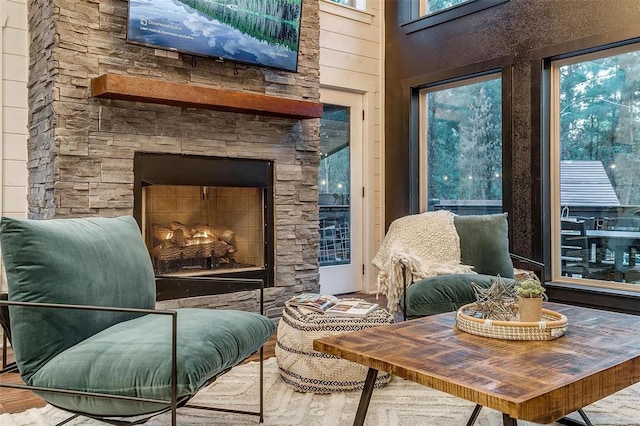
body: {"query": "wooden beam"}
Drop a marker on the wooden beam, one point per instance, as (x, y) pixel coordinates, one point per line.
(142, 89)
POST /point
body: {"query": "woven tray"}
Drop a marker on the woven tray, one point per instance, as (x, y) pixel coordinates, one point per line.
(552, 326)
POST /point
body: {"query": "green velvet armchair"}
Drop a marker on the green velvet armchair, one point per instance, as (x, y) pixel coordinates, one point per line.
(484, 244)
(84, 329)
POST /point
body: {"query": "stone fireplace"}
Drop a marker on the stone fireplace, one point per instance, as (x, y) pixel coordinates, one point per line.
(84, 145)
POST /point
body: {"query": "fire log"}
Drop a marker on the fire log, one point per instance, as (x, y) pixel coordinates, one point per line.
(161, 232)
(186, 231)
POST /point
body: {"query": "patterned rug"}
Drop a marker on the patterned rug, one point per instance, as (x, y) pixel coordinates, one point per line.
(400, 403)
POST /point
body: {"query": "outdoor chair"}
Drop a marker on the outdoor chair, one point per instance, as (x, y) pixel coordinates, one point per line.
(574, 248)
(84, 331)
(582, 256)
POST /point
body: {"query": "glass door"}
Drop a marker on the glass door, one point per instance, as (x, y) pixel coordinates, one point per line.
(340, 193)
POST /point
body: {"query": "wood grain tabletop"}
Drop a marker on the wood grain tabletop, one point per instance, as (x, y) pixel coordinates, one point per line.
(539, 381)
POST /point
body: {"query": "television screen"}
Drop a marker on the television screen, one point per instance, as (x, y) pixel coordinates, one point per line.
(258, 32)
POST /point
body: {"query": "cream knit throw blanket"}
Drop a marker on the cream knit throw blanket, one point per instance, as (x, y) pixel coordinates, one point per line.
(425, 244)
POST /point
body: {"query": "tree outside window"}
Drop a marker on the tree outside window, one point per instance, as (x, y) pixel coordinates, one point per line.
(464, 147)
(434, 6)
(600, 118)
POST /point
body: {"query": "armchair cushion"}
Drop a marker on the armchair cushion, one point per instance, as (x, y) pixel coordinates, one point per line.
(134, 358)
(443, 293)
(484, 243)
(89, 261)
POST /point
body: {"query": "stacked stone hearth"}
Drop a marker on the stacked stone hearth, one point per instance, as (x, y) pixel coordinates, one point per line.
(81, 148)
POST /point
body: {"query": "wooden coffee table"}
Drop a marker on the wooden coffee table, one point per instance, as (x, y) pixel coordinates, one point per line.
(534, 381)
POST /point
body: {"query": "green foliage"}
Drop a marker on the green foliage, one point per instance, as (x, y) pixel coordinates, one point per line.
(334, 173)
(268, 20)
(530, 288)
(600, 118)
(434, 6)
(464, 142)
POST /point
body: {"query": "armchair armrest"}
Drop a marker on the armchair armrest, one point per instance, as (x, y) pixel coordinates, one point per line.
(174, 352)
(539, 265)
(6, 335)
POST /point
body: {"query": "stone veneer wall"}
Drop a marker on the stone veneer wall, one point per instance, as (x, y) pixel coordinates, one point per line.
(81, 148)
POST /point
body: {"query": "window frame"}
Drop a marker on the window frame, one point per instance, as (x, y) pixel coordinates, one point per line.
(501, 67)
(554, 169)
(416, 21)
(545, 222)
(355, 4)
(554, 165)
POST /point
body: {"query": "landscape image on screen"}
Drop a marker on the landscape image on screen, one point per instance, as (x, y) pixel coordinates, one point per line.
(260, 32)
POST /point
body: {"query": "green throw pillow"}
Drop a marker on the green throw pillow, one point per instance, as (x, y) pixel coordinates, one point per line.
(484, 243)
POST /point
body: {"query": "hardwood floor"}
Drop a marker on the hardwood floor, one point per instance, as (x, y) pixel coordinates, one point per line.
(17, 400)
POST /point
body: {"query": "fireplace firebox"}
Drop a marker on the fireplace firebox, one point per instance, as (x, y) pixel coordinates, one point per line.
(205, 219)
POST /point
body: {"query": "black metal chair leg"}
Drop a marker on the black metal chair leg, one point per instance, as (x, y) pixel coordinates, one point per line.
(4, 351)
(65, 421)
(261, 385)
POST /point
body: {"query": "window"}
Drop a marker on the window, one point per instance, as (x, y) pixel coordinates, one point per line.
(334, 186)
(427, 13)
(595, 163)
(433, 6)
(358, 4)
(461, 166)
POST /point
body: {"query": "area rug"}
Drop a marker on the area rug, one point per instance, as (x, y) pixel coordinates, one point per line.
(400, 403)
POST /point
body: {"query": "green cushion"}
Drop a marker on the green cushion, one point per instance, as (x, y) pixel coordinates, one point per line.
(134, 358)
(97, 261)
(443, 293)
(484, 243)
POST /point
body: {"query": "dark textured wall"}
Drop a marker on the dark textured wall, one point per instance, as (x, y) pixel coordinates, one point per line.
(512, 28)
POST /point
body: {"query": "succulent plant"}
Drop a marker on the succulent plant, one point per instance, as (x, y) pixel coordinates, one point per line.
(530, 288)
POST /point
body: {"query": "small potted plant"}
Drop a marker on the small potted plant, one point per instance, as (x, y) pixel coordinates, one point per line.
(531, 294)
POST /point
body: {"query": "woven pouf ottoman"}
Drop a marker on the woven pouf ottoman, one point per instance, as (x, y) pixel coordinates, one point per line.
(306, 370)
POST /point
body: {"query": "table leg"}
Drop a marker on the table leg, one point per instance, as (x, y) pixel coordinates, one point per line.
(474, 415)
(507, 420)
(571, 422)
(363, 406)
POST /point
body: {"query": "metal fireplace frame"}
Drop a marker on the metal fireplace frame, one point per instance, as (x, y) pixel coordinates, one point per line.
(195, 170)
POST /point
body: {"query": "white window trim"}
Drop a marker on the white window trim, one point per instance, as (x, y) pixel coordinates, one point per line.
(355, 14)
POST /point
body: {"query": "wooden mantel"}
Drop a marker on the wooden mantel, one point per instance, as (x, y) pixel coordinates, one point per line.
(142, 89)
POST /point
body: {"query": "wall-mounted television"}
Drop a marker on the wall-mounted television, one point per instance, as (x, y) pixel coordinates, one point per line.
(257, 32)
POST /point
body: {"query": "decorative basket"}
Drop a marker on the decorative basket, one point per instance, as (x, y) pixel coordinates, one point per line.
(550, 327)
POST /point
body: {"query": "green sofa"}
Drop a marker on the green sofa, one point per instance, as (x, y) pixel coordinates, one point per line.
(484, 244)
(100, 332)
